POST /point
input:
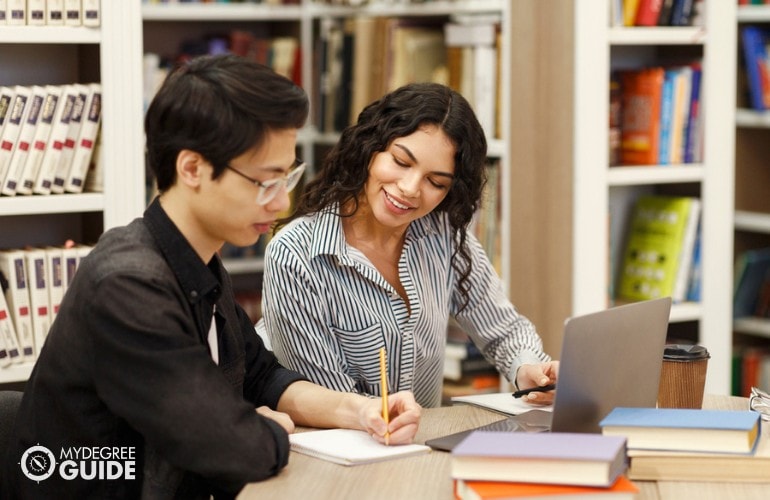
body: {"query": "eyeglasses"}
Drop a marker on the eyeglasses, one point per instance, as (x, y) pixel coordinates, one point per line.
(760, 402)
(269, 189)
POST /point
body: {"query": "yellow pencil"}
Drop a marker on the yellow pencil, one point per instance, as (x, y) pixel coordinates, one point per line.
(384, 391)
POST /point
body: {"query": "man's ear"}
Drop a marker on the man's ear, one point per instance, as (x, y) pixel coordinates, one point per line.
(189, 167)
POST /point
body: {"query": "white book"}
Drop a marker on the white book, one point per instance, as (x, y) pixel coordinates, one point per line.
(72, 13)
(12, 127)
(462, 35)
(38, 295)
(685, 257)
(56, 139)
(3, 4)
(54, 279)
(36, 12)
(91, 14)
(54, 12)
(73, 132)
(13, 267)
(6, 97)
(8, 334)
(14, 180)
(95, 176)
(70, 265)
(40, 140)
(485, 87)
(84, 147)
(16, 12)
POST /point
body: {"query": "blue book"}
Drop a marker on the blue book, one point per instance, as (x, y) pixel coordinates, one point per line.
(666, 115)
(680, 429)
(692, 132)
(550, 458)
(754, 56)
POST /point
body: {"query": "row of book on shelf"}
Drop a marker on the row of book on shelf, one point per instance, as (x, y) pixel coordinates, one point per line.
(654, 12)
(655, 116)
(755, 68)
(34, 281)
(750, 368)
(363, 57)
(48, 135)
(50, 12)
(634, 444)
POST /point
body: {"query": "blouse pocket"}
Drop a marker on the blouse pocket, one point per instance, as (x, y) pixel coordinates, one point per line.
(361, 349)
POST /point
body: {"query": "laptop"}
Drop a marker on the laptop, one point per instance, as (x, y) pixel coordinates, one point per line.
(608, 359)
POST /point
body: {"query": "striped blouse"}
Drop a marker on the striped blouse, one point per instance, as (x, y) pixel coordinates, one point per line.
(327, 310)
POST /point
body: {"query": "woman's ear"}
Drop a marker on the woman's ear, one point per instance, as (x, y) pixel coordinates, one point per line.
(189, 167)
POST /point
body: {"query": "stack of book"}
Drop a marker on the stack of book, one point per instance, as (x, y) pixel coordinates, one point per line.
(691, 445)
(540, 465)
(33, 284)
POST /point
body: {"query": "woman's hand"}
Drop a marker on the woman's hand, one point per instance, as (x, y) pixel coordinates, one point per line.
(403, 415)
(538, 375)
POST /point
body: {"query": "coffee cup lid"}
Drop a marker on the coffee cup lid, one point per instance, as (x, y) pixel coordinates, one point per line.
(685, 352)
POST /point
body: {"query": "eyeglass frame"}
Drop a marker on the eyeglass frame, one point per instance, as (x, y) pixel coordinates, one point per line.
(289, 181)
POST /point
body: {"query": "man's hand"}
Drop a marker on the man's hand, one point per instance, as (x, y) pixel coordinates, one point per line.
(282, 419)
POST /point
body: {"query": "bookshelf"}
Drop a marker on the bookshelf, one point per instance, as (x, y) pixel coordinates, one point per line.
(110, 54)
(752, 182)
(570, 209)
(166, 25)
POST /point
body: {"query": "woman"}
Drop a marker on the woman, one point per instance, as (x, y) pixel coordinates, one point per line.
(378, 254)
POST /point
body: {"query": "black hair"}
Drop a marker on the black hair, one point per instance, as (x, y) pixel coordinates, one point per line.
(345, 169)
(219, 106)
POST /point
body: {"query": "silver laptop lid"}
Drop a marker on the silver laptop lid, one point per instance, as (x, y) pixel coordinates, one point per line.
(609, 358)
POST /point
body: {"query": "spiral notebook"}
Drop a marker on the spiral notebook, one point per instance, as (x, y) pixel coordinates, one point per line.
(350, 447)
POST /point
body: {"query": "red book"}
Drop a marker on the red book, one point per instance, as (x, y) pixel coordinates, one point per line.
(489, 490)
(641, 92)
(648, 13)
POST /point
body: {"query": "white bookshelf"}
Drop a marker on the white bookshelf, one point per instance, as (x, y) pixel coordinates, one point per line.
(110, 54)
(564, 262)
(752, 182)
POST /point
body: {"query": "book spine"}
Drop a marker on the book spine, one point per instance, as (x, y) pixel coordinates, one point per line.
(648, 12)
(73, 132)
(72, 9)
(54, 279)
(38, 296)
(8, 333)
(85, 144)
(13, 268)
(11, 130)
(91, 13)
(693, 124)
(56, 139)
(16, 12)
(36, 12)
(54, 12)
(14, 182)
(666, 117)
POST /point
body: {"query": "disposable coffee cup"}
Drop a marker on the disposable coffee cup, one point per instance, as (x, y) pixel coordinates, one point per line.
(683, 376)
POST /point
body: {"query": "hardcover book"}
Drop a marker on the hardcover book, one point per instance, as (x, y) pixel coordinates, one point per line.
(549, 457)
(641, 104)
(622, 489)
(684, 429)
(659, 250)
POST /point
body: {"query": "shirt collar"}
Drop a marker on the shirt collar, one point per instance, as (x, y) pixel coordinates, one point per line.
(329, 237)
(196, 277)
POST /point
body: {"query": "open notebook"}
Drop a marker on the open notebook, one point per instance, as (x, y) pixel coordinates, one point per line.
(349, 447)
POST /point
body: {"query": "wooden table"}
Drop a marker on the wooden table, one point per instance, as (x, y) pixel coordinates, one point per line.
(426, 477)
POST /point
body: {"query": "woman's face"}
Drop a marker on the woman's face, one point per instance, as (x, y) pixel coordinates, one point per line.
(411, 177)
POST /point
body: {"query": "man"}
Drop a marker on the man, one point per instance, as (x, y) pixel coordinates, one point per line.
(152, 381)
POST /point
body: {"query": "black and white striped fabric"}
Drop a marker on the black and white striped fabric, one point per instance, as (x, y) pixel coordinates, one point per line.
(327, 311)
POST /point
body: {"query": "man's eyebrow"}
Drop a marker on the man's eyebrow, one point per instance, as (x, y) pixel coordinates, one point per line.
(414, 159)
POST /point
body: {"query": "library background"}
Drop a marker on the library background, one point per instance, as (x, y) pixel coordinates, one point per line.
(628, 152)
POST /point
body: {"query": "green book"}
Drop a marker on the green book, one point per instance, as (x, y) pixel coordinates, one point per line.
(658, 255)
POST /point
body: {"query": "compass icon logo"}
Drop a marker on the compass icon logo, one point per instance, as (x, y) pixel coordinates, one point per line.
(38, 463)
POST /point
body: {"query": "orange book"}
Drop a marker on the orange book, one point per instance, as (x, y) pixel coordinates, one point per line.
(622, 489)
(641, 92)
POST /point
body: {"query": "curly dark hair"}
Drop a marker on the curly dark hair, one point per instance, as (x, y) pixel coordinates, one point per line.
(345, 169)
